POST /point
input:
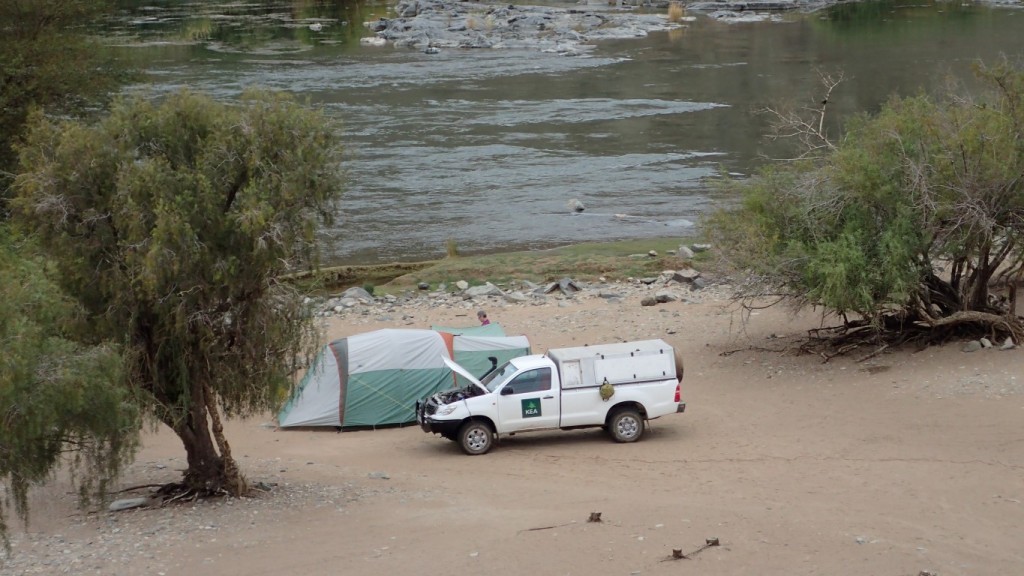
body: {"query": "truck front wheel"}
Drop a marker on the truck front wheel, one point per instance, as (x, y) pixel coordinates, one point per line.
(626, 425)
(476, 437)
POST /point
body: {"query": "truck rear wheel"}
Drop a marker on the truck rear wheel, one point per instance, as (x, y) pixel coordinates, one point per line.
(626, 425)
(476, 437)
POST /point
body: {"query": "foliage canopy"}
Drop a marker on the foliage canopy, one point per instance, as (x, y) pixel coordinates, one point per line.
(912, 222)
(171, 223)
(56, 394)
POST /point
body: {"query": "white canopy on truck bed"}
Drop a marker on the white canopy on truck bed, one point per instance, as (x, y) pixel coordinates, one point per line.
(584, 366)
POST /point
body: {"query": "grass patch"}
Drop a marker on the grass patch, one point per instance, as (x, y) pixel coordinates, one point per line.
(584, 262)
(333, 278)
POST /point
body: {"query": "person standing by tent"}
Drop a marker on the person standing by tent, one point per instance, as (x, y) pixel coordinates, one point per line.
(482, 317)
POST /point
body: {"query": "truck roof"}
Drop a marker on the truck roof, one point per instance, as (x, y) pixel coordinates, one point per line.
(531, 361)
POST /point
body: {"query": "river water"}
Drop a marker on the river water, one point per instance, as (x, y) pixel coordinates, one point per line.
(487, 147)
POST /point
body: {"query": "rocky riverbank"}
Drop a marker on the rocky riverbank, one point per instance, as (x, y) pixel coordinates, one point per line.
(433, 25)
(687, 286)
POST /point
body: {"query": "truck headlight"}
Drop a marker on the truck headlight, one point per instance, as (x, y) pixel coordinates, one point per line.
(446, 410)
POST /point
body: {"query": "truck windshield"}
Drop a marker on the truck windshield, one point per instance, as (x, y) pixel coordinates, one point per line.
(495, 378)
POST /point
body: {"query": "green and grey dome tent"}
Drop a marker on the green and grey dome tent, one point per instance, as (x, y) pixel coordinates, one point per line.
(370, 379)
(375, 378)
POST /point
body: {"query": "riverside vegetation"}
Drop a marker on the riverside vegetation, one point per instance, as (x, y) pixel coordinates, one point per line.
(909, 227)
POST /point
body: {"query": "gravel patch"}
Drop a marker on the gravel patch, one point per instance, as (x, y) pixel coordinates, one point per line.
(137, 540)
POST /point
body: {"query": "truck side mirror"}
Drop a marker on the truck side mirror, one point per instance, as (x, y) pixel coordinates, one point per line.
(507, 390)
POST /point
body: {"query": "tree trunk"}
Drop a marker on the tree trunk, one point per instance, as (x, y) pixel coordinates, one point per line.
(234, 482)
(205, 468)
(210, 470)
(979, 294)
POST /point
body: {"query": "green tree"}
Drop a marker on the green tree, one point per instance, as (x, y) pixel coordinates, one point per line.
(171, 223)
(56, 395)
(908, 224)
(49, 60)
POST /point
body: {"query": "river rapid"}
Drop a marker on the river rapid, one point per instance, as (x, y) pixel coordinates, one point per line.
(487, 147)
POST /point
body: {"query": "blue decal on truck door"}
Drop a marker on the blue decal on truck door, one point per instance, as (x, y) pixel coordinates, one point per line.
(531, 407)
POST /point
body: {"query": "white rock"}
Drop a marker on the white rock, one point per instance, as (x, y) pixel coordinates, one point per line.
(485, 290)
(516, 297)
(685, 276)
(127, 503)
(664, 296)
(972, 346)
(358, 293)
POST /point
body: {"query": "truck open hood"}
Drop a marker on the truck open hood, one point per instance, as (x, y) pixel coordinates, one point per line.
(465, 374)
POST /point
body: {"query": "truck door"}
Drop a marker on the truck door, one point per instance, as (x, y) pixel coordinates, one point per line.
(528, 402)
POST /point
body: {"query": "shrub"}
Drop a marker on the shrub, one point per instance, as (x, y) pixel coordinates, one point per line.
(676, 11)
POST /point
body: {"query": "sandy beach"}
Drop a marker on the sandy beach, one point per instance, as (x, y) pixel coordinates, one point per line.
(909, 462)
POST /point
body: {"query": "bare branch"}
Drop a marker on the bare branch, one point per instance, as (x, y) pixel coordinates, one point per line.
(807, 125)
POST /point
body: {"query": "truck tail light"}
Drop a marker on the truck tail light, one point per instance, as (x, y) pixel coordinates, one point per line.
(677, 394)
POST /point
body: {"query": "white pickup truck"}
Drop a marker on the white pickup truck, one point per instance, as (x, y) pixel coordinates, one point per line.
(615, 386)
